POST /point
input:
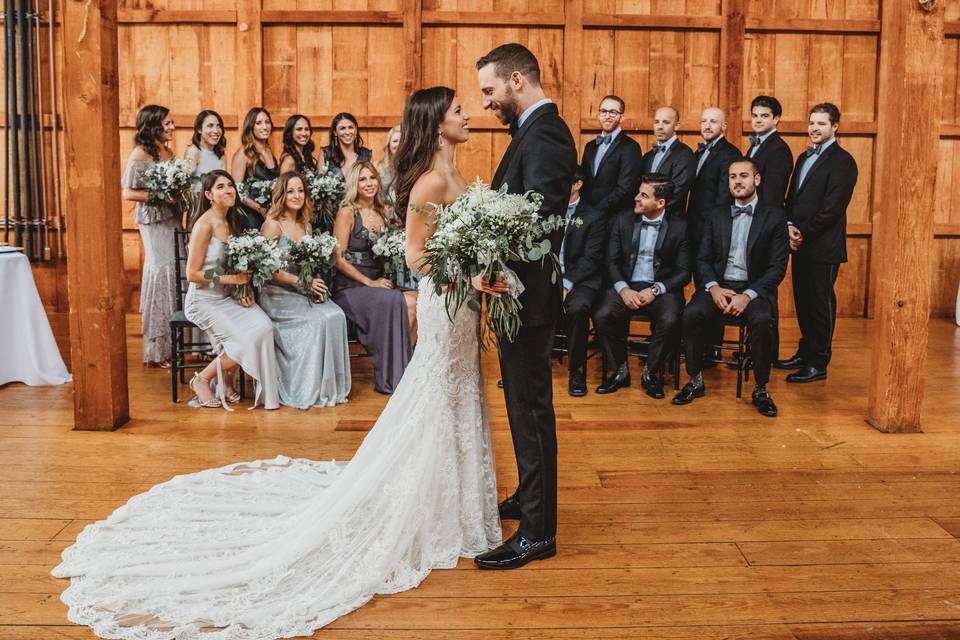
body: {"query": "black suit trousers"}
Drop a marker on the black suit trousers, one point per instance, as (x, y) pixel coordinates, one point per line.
(702, 317)
(816, 302)
(613, 317)
(576, 312)
(528, 390)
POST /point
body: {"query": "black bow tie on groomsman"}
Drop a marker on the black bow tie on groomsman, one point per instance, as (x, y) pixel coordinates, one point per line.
(813, 151)
(701, 146)
(602, 140)
(655, 224)
(657, 148)
(736, 211)
(754, 141)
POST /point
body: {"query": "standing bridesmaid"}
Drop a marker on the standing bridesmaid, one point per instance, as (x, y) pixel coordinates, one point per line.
(311, 338)
(385, 316)
(206, 150)
(241, 333)
(298, 148)
(385, 166)
(346, 145)
(157, 224)
(254, 159)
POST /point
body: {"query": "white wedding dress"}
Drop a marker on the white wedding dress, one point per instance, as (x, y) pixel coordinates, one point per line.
(278, 548)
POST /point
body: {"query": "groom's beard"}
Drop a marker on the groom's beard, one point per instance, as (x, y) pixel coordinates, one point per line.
(509, 111)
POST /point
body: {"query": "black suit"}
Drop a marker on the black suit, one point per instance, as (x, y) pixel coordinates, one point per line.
(711, 186)
(681, 166)
(541, 157)
(583, 251)
(672, 264)
(818, 208)
(775, 161)
(766, 256)
(614, 187)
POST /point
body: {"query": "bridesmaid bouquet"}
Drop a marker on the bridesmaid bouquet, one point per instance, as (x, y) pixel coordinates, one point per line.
(260, 191)
(390, 244)
(327, 190)
(169, 182)
(478, 234)
(249, 252)
(315, 255)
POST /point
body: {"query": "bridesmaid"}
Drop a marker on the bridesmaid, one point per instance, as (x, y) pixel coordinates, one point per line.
(206, 150)
(346, 145)
(241, 333)
(311, 338)
(298, 146)
(157, 224)
(385, 166)
(385, 316)
(254, 159)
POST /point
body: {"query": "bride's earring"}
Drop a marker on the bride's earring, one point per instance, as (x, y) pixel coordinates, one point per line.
(440, 136)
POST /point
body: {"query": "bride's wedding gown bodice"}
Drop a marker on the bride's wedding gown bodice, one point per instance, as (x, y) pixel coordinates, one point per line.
(278, 548)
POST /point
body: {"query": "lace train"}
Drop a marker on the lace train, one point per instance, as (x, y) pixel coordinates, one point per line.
(278, 548)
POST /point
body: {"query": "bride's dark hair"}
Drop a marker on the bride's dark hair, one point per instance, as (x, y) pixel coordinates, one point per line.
(419, 139)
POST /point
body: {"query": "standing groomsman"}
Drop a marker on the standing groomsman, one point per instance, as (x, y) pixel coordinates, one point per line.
(769, 150)
(581, 263)
(671, 157)
(611, 163)
(820, 190)
(711, 185)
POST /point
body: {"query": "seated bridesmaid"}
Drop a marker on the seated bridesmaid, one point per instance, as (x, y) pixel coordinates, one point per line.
(311, 338)
(241, 333)
(385, 316)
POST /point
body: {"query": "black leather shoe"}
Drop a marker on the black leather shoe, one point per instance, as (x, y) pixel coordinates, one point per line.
(510, 508)
(764, 403)
(654, 387)
(807, 374)
(577, 386)
(516, 552)
(688, 393)
(619, 380)
(711, 357)
(793, 362)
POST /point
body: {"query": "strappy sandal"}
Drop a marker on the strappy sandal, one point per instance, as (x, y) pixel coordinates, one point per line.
(212, 403)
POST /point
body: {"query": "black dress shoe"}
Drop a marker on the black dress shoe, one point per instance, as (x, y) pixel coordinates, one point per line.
(577, 386)
(688, 393)
(807, 374)
(764, 403)
(793, 362)
(654, 387)
(711, 357)
(619, 380)
(516, 552)
(510, 508)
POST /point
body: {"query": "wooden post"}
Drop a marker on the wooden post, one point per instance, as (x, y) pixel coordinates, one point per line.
(249, 58)
(91, 111)
(572, 64)
(412, 45)
(733, 30)
(911, 80)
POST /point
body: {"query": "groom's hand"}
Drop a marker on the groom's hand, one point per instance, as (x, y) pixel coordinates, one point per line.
(482, 283)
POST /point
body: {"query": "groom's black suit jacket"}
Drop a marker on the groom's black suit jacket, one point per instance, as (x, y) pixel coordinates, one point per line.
(542, 157)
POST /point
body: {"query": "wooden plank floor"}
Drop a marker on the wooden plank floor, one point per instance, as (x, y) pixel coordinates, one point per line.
(701, 522)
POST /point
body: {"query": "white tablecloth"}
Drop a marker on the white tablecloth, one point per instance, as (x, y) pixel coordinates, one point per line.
(28, 352)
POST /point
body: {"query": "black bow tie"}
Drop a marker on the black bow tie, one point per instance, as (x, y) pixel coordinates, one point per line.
(701, 146)
(657, 148)
(813, 151)
(513, 128)
(602, 140)
(754, 141)
(738, 210)
(651, 223)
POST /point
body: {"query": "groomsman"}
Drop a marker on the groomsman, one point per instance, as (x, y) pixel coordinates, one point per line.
(740, 263)
(581, 262)
(769, 150)
(611, 163)
(649, 263)
(671, 157)
(820, 190)
(711, 184)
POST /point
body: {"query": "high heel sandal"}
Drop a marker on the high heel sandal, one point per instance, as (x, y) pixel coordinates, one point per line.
(212, 403)
(231, 393)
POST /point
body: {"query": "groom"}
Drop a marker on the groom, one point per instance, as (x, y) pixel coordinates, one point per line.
(541, 157)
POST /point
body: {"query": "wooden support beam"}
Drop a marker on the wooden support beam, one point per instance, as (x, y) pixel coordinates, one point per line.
(412, 45)
(732, 32)
(694, 23)
(287, 16)
(812, 25)
(187, 16)
(572, 64)
(249, 56)
(485, 18)
(91, 106)
(903, 227)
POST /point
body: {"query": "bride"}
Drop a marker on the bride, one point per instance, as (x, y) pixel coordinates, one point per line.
(278, 548)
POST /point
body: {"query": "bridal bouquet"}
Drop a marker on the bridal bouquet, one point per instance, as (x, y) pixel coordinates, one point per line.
(169, 181)
(249, 252)
(390, 244)
(260, 191)
(327, 190)
(315, 255)
(478, 234)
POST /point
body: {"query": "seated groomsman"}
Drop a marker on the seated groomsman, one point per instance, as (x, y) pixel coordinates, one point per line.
(581, 262)
(649, 264)
(611, 163)
(740, 263)
(671, 157)
(711, 185)
(821, 188)
(769, 150)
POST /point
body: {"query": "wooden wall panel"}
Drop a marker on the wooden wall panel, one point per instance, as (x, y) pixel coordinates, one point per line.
(946, 276)
(829, 9)
(653, 7)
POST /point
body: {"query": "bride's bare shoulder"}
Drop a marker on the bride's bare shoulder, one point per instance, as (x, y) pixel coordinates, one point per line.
(430, 188)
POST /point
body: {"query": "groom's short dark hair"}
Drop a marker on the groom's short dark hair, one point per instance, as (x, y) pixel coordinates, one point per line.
(511, 57)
